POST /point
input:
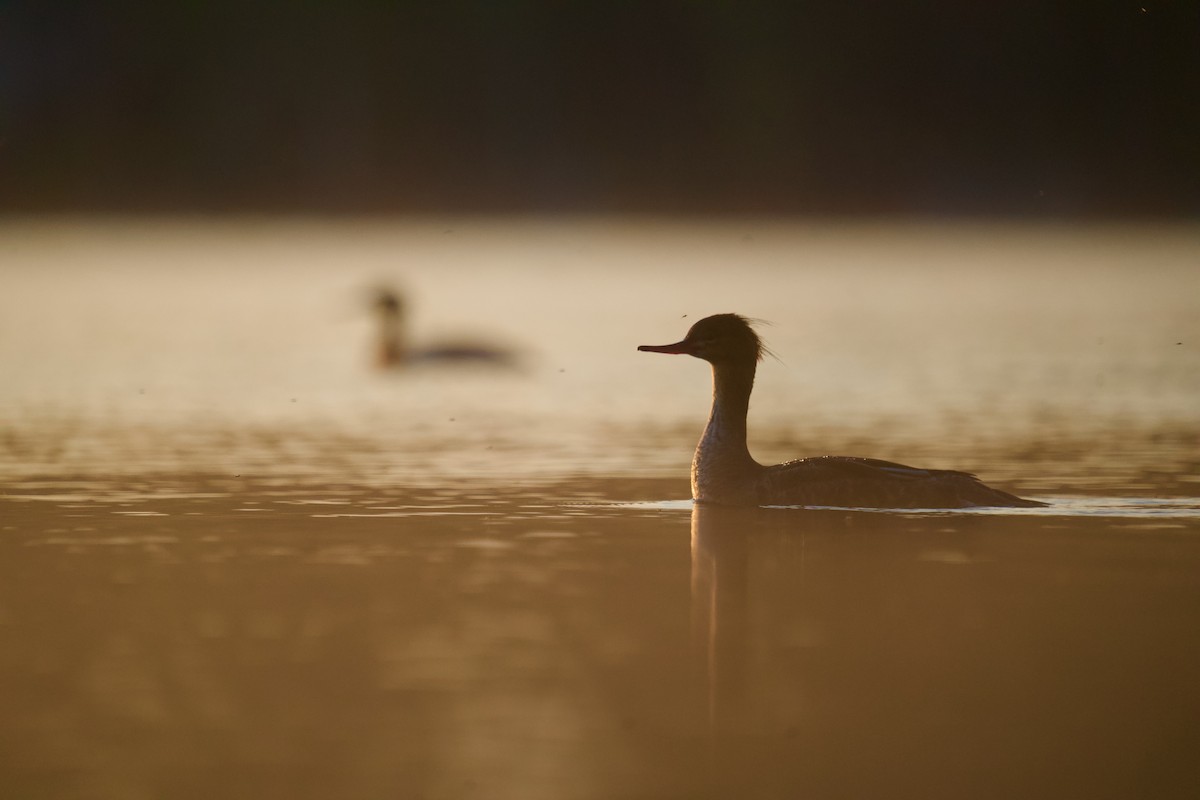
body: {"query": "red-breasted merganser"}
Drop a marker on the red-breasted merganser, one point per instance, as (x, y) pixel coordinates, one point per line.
(393, 349)
(724, 473)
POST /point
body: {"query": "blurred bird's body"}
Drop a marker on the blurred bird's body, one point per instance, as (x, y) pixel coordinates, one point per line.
(394, 351)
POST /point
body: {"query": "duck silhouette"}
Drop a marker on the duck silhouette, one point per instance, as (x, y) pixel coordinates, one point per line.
(724, 473)
(393, 349)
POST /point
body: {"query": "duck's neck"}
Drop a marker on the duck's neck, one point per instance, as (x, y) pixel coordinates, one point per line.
(732, 384)
(722, 458)
(393, 346)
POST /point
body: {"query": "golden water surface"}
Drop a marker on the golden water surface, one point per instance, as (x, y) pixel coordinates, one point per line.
(238, 560)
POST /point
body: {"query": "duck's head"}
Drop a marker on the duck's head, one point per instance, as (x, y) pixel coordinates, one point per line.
(719, 339)
(387, 302)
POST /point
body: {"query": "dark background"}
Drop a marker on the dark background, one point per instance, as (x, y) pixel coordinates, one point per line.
(1030, 109)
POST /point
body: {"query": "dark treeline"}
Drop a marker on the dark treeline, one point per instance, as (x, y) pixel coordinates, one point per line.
(1080, 108)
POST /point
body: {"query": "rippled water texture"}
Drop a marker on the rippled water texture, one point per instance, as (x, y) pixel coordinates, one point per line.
(238, 560)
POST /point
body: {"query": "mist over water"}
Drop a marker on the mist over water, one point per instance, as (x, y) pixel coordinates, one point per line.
(239, 559)
(228, 348)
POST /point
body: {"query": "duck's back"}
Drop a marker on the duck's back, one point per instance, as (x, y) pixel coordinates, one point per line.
(870, 483)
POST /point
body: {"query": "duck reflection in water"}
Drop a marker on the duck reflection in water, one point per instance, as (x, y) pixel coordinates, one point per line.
(822, 638)
(724, 473)
(393, 349)
(720, 556)
(752, 619)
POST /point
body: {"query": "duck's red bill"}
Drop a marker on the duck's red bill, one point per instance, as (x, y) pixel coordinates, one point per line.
(679, 348)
